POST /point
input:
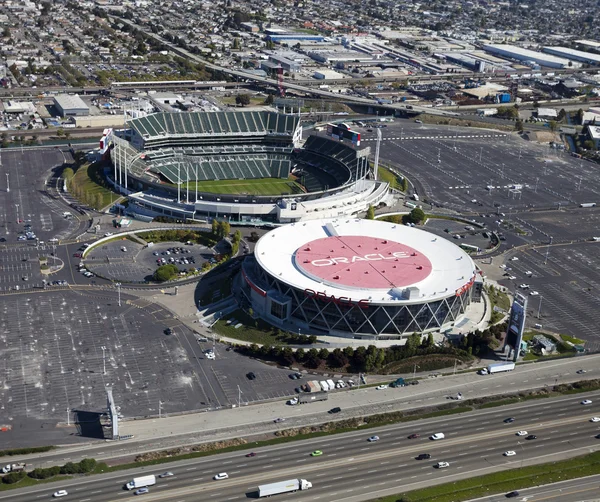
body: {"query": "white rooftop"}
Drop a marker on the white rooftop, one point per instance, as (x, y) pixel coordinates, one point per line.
(365, 259)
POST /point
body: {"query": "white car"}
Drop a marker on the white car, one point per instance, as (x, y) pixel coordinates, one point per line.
(533, 293)
(529, 273)
(221, 475)
(595, 419)
(522, 433)
(373, 438)
(381, 387)
(60, 493)
(211, 355)
(514, 258)
(441, 465)
(524, 286)
(437, 435)
(293, 401)
(510, 453)
(586, 401)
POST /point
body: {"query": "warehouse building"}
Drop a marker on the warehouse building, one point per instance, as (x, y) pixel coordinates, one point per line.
(583, 57)
(528, 56)
(70, 105)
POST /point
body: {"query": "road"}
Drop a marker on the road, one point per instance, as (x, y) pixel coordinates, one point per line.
(576, 490)
(353, 469)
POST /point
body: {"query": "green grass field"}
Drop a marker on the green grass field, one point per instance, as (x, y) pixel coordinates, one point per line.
(263, 186)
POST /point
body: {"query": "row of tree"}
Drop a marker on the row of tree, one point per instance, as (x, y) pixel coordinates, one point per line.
(87, 465)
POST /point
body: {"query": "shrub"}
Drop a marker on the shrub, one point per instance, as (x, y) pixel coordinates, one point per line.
(87, 465)
(13, 477)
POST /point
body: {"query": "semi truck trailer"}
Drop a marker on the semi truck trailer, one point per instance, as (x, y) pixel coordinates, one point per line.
(141, 482)
(311, 397)
(497, 368)
(291, 485)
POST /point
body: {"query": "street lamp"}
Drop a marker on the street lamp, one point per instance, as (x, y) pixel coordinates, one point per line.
(68, 416)
(119, 291)
(103, 360)
(160, 408)
(415, 370)
(540, 307)
(7, 184)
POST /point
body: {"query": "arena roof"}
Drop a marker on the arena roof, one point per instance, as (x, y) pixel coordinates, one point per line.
(356, 259)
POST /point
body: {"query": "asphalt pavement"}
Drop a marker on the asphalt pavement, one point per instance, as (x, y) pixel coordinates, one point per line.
(351, 468)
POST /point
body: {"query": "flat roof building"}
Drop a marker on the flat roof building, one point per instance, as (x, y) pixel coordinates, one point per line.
(529, 56)
(584, 57)
(70, 105)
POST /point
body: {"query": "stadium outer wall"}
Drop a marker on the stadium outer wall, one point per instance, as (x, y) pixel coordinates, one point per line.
(359, 279)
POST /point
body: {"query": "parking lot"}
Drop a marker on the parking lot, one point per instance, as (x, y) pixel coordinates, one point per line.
(478, 170)
(566, 279)
(131, 261)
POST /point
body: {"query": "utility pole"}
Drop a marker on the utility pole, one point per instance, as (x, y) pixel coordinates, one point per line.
(103, 359)
(119, 292)
(159, 409)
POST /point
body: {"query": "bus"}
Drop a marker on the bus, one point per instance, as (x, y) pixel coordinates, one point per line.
(470, 248)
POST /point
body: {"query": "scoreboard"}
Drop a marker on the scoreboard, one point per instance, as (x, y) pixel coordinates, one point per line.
(342, 132)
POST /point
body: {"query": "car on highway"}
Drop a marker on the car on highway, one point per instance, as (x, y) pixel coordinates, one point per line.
(586, 401)
(251, 454)
(531, 436)
(512, 494)
(332, 411)
(580, 372)
(509, 453)
(293, 401)
(141, 491)
(437, 435)
(279, 420)
(595, 419)
(381, 387)
(221, 475)
(373, 438)
(597, 436)
(509, 420)
(167, 474)
(522, 433)
(60, 493)
(423, 456)
(442, 465)
(414, 436)
(316, 453)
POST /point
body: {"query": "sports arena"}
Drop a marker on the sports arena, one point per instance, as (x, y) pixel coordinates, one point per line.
(363, 279)
(246, 166)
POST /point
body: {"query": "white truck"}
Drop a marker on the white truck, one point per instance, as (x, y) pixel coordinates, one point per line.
(141, 482)
(331, 384)
(14, 467)
(291, 485)
(497, 368)
(324, 385)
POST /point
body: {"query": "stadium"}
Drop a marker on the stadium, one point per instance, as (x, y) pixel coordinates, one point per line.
(247, 166)
(362, 279)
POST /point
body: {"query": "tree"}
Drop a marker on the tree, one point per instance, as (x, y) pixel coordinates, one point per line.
(519, 126)
(323, 353)
(300, 355)
(370, 213)
(553, 124)
(237, 236)
(242, 99)
(215, 227)
(60, 132)
(417, 215)
(269, 100)
(165, 272)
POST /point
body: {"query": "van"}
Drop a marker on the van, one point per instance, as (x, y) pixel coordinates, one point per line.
(537, 325)
(437, 435)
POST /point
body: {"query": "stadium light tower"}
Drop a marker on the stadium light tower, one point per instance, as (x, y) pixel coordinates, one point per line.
(377, 146)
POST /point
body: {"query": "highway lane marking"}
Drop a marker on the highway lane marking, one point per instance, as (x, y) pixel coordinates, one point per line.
(195, 479)
(84, 500)
(191, 468)
(339, 477)
(301, 460)
(321, 474)
(97, 491)
(383, 463)
(267, 466)
(235, 472)
(371, 472)
(352, 469)
(228, 462)
(241, 465)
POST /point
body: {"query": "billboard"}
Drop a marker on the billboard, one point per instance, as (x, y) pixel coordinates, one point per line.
(342, 132)
(516, 325)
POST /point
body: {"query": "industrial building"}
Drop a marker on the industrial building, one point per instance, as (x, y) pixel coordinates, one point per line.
(529, 57)
(70, 105)
(574, 55)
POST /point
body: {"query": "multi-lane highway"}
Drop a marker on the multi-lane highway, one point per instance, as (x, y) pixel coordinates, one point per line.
(353, 469)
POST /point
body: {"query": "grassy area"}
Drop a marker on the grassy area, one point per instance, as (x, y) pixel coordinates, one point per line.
(498, 298)
(572, 339)
(27, 481)
(263, 186)
(504, 481)
(388, 176)
(88, 186)
(253, 330)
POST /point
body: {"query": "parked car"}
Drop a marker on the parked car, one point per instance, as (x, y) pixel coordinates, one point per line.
(250, 376)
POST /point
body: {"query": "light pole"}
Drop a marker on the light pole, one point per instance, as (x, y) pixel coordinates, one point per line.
(239, 396)
(455, 361)
(160, 409)
(17, 208)
(103, 360)
(68, 416)
(119, 291)
(540, 308)
(415, 370)
(7, 184)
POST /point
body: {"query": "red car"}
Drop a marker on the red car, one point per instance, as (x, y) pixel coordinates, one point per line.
(414, 436)
(77, 255)
(251, 454)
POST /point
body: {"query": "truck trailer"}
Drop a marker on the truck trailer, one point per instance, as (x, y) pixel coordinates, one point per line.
(313, 386)
(291, 485)
(497, 368)
(14, 467)
(311, 397)
(141, 482)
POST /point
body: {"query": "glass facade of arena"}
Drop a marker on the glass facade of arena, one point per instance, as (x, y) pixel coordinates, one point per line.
(354, 319)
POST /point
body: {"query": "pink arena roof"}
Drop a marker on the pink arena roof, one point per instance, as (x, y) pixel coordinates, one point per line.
(362, 262)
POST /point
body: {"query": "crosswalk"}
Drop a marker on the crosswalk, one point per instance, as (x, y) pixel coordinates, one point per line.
(460, 136)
